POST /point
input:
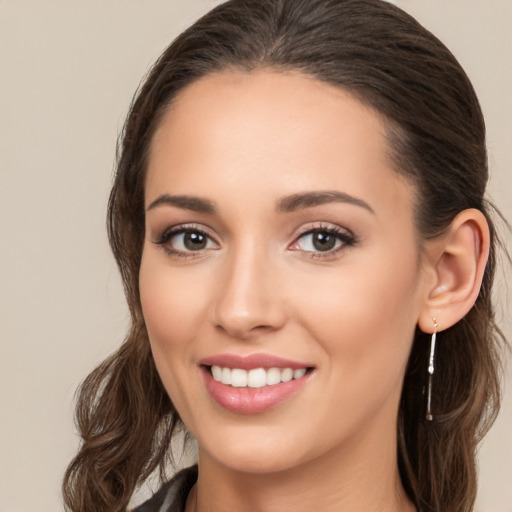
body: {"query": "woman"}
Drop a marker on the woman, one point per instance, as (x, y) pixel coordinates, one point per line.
(298, 212)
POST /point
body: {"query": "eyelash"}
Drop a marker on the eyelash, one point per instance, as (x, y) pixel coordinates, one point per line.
(170, 233)
(346, 237)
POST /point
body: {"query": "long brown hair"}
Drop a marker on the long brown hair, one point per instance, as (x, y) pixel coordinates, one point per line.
(436, 135)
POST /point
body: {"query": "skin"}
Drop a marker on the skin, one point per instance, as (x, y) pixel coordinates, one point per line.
(243, 142)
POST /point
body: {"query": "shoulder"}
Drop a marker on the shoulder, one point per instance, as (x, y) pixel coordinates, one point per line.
(172, 496)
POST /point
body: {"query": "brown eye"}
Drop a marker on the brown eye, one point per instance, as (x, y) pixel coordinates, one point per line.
(323, 241)
(184, 240)
(319, 241)
(194, 241)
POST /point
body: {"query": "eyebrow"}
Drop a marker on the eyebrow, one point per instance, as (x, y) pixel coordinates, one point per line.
(287, 204)
(310, 199)
(196, 204)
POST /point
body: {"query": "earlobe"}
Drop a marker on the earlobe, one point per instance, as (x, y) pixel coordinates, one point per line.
(458, 261)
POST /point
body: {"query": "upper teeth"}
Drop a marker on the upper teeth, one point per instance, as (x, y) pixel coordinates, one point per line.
(255, 378)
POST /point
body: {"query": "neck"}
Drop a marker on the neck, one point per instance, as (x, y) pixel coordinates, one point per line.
(354, 477)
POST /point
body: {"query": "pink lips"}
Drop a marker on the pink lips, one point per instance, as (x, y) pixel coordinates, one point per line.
(251, 400)
(252, 361)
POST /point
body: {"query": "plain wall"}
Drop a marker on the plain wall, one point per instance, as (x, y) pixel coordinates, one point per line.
(68, 70)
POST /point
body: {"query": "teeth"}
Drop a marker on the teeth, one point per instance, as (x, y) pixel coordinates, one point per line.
(286, 374)
(217, 373)
(297, 374)
(225, 376)
(256, 378)
(273, 376)
(238, 378)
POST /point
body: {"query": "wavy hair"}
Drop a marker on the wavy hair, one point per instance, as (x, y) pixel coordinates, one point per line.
(436, 136)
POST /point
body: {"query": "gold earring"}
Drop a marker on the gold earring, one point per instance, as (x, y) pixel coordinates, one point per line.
(429, 416)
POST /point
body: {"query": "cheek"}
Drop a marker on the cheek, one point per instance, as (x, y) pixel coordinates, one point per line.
(365, 326)
(364, 317)
(171, 304)
(172, 313)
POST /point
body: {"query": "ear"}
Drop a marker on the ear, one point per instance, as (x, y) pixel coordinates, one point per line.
(456, 264)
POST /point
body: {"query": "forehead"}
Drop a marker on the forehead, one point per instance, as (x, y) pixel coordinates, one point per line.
(275, 133)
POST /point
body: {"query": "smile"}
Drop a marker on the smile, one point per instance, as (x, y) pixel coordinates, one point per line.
(253, 384)
(255, 378)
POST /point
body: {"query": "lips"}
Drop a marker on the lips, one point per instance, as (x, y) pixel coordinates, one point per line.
(252, 361)
(253, 384)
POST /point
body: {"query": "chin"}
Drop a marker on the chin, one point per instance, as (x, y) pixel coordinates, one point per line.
(255, 462)
(254, 452)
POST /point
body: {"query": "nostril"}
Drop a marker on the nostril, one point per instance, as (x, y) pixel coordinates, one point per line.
(242, 331)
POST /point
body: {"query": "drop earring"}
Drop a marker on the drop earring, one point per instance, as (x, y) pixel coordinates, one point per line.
(429, 416)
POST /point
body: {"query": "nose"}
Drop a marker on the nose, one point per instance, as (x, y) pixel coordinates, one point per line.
(249, 302)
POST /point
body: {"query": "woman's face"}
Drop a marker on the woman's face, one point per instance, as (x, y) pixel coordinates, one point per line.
(279, 244)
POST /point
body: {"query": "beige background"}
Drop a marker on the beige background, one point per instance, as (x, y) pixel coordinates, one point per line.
(67, 73)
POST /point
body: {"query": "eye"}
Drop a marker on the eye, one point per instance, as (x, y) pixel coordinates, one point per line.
(183, 240)
(323, 240)
(190, 241)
